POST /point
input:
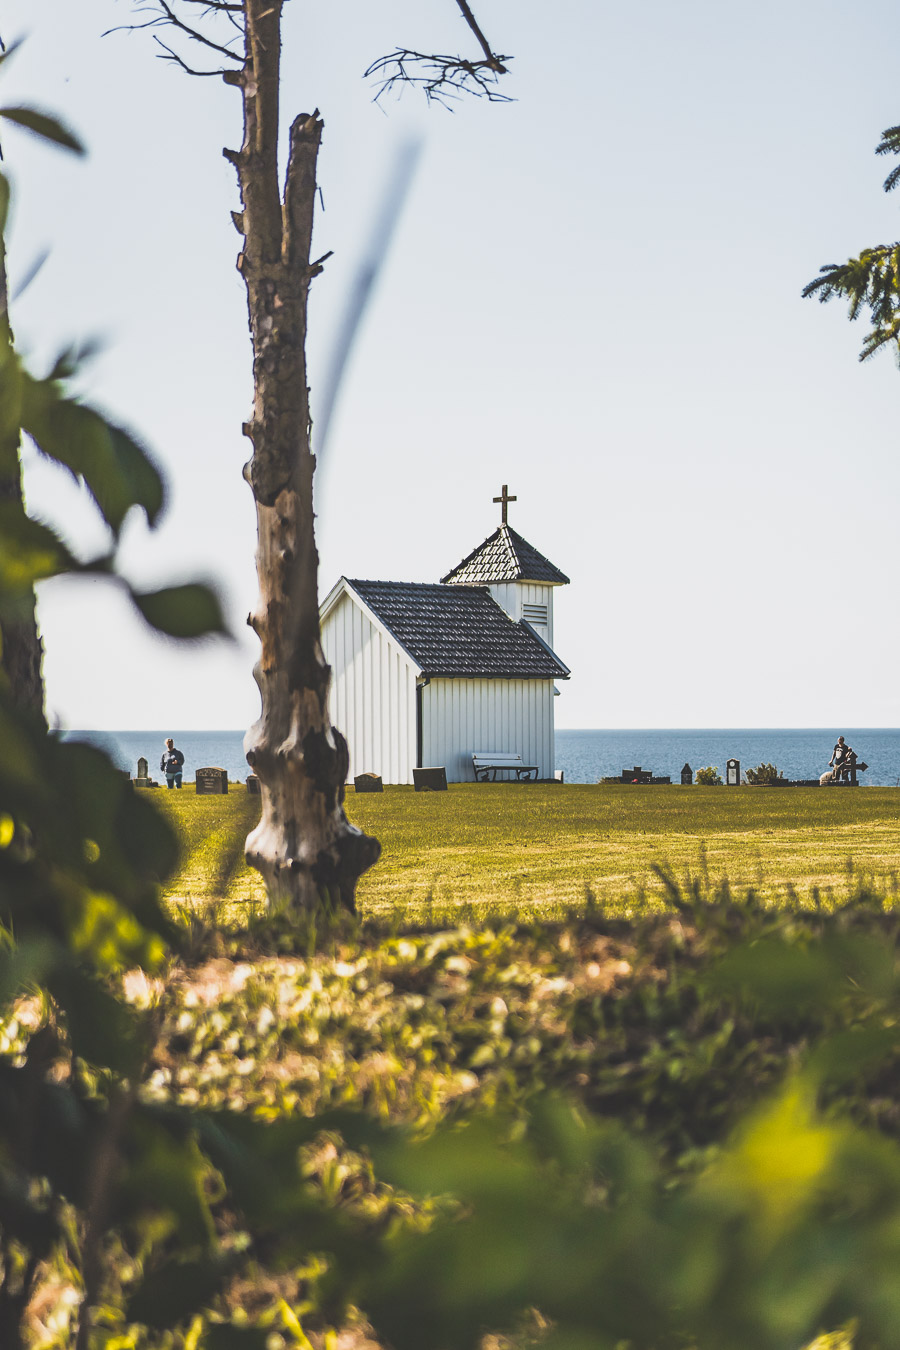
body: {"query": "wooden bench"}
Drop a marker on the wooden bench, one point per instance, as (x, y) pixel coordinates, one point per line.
(488, 763)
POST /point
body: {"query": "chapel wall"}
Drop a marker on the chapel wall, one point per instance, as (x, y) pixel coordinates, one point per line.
(373, 694)
(463, 716)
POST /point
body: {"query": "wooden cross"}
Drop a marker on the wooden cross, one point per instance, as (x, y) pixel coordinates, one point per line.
(505, 499)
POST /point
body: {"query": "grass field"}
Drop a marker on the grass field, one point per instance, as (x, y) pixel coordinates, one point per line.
(544, 847)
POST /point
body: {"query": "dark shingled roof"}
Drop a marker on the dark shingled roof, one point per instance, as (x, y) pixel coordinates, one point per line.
(505, 556)
(459, 630)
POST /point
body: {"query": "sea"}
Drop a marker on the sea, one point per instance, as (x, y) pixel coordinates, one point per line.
(584, 756)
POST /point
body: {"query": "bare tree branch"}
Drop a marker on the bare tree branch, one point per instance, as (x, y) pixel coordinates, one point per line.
(495, 62)
(441, 78)
(163, 14)
(172, 55)
(444, 77)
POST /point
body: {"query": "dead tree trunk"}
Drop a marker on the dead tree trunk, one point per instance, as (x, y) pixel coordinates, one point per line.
(304, 846)
(21, 650)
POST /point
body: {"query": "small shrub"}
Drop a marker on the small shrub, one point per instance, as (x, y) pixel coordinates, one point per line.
(764, 774)
(709, 777)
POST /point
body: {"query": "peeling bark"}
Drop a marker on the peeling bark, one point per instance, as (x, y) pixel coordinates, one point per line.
(304, 846)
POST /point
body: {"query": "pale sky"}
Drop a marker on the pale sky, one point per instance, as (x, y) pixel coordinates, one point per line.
(593, 295)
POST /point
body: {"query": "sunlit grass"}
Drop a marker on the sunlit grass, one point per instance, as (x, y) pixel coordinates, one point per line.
(544, 849)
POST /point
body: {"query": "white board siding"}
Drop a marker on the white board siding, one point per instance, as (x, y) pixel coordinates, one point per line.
(373, 693)
(512, 595)
(462, 716)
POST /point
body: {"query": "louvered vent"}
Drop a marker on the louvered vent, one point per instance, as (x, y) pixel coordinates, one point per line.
(536, 614)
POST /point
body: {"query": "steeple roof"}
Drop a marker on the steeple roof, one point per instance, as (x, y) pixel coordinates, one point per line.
(504, 556)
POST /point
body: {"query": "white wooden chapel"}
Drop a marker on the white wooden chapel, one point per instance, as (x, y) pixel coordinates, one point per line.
(428, 674)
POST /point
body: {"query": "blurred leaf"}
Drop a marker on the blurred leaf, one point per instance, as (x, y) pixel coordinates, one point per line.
(26, 965)
(43, 125)
(52, 1125)
(10, 50)
(145, 484)
(34, 270)
(224, 1336)
(114, 468)
(23, 1220)
(187, 611)
(166, 1175)
(171, 1295)
(779, 977)
(104, 930)
(102, 1029)
(780, 1157)
(851, 1054)
(29, 552)
(70, 358)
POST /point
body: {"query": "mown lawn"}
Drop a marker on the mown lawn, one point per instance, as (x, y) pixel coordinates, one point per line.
(544, 848)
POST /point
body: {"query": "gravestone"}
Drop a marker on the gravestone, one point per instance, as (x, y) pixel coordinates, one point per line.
(211, 780)
(368, 782)
(733, 773)
(142, 778)
(636, 775)
(430, 780)
(253, 784)
(687, 775)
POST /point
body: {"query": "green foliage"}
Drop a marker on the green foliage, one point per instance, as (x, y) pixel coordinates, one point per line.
(708, 777)
(776, 1238)
(870, 282)
(763, 775)
(669, 1040)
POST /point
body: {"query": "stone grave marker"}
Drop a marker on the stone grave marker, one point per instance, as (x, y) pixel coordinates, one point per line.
(733, 773)
(211, 781)
(368, 782)
(687, 775)
(142, 778)
(253, 784)
(430, 780)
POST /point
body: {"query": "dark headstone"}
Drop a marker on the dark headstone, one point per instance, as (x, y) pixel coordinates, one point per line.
(368, 782)
(733, 773)
(430, 780)
(687, 775)
(211, 780)
(253, 784)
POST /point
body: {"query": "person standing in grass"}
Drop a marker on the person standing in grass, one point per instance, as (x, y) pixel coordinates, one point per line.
(171, 764)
